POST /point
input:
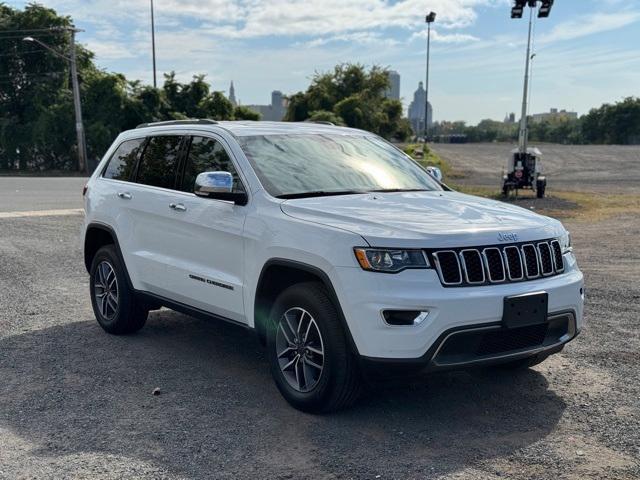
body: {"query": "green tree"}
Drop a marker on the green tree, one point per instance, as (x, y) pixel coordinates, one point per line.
(240, 112)
(352, 95)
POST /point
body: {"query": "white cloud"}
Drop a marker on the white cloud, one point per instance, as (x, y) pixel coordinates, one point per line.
(110, 50)
(438, 37)
(588, 25)
(260, 18)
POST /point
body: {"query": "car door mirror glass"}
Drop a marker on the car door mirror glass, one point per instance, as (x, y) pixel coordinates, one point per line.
(435, 172)
(208, 183)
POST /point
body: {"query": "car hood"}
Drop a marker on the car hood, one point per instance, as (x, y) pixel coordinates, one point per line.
(424, 219)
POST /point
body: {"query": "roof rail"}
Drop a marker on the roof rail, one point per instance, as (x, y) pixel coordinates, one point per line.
(196, 121)
(321, 122)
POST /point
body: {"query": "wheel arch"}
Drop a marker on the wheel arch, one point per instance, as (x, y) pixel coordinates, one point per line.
(97, 235)
(276, 275)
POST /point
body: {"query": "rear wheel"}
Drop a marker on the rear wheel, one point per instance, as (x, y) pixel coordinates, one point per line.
(115, 305)
(541, 186)
(308, 352)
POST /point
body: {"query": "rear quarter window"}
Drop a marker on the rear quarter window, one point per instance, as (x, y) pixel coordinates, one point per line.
(123, 161)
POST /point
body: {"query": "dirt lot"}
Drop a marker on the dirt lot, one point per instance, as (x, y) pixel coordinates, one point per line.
(593, 168)
(77, 403)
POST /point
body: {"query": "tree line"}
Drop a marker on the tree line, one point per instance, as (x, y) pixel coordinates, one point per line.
(617, 123)
(37, 123)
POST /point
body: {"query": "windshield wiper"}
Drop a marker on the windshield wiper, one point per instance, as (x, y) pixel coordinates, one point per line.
(393, 190)
(319, 193)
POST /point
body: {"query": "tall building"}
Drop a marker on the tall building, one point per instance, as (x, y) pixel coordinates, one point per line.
(232, 95)
(274, 112)
(553, 114)
(416, 110)
(510, 118)
(393, 92)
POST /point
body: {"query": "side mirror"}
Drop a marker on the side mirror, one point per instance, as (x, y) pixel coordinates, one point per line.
(219, 186)
(436, 172)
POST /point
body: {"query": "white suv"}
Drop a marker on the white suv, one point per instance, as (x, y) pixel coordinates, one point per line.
(347, 258)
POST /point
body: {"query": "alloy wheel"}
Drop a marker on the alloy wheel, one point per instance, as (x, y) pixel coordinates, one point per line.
(300, 349)
(106, 290)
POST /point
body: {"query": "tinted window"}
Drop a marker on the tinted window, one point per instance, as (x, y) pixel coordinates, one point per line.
(123, 161)
(207, 155)
(160, 161)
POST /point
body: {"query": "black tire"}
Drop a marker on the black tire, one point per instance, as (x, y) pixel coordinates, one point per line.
(338, 385)
(540, 188)
(129, 314)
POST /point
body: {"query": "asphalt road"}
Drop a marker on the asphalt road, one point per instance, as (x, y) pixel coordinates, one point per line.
(40, 193)
(77, 403)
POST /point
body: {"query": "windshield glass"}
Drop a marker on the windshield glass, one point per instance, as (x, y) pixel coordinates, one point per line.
(299, 165)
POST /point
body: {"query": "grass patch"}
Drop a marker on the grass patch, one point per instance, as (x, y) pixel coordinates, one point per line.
(585, 206)
(428, 158)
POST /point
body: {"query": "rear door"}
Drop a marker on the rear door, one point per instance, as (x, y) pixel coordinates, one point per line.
(206, 236)
(148, 242)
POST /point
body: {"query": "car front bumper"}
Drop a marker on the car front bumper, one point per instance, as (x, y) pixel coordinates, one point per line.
(365, 295)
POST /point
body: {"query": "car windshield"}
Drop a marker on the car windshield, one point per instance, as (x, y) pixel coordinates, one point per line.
(302, 165)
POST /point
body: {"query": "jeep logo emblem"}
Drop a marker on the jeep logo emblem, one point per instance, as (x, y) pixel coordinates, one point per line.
(507, 237)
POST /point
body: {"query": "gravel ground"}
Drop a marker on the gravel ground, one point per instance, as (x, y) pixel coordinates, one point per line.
(78, 403)
(597, 168)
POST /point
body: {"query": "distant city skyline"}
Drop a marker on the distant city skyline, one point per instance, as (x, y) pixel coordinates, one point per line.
(585, 56)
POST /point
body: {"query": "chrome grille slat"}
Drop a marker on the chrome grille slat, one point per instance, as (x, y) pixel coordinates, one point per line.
(467, 258)
(513, 261)
(558, 258)
(531, 260)
(447, 276)
(459, 267)
(495, 272)
(546, 262)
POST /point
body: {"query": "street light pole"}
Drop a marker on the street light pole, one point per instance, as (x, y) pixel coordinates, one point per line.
(516, 12)
(522, 137)
(429, 19)
(153, 46)
(82, 147)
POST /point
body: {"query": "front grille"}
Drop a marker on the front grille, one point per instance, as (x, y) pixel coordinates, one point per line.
(463, 267)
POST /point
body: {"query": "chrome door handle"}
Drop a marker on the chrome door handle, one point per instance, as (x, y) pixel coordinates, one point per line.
(178, 207)
(124, 195)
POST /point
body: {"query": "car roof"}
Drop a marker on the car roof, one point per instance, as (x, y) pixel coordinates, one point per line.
(243, 128)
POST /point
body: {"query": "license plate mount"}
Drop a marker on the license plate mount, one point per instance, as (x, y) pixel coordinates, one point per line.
(525, 310)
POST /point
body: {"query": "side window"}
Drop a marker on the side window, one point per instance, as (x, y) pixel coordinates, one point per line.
(123, 161)
(207, 155)
(159, 162)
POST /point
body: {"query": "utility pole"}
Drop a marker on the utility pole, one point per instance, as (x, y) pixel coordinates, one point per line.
(429, 19)
(82, 147)
(153, 46)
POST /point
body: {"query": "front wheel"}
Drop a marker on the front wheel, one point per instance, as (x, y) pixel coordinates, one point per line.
(308, 352)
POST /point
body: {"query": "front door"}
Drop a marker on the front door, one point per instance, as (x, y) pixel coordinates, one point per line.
(204, 268)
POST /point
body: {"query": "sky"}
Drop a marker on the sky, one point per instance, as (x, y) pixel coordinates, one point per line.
(587, 51)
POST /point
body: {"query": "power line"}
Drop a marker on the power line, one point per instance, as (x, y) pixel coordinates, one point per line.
(16, 54)
(50, 29)
(53, 74)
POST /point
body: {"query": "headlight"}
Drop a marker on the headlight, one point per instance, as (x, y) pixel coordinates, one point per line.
(390, 260)
(565, 242)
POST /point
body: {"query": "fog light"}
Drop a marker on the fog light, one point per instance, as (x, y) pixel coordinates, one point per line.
(405, 317)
